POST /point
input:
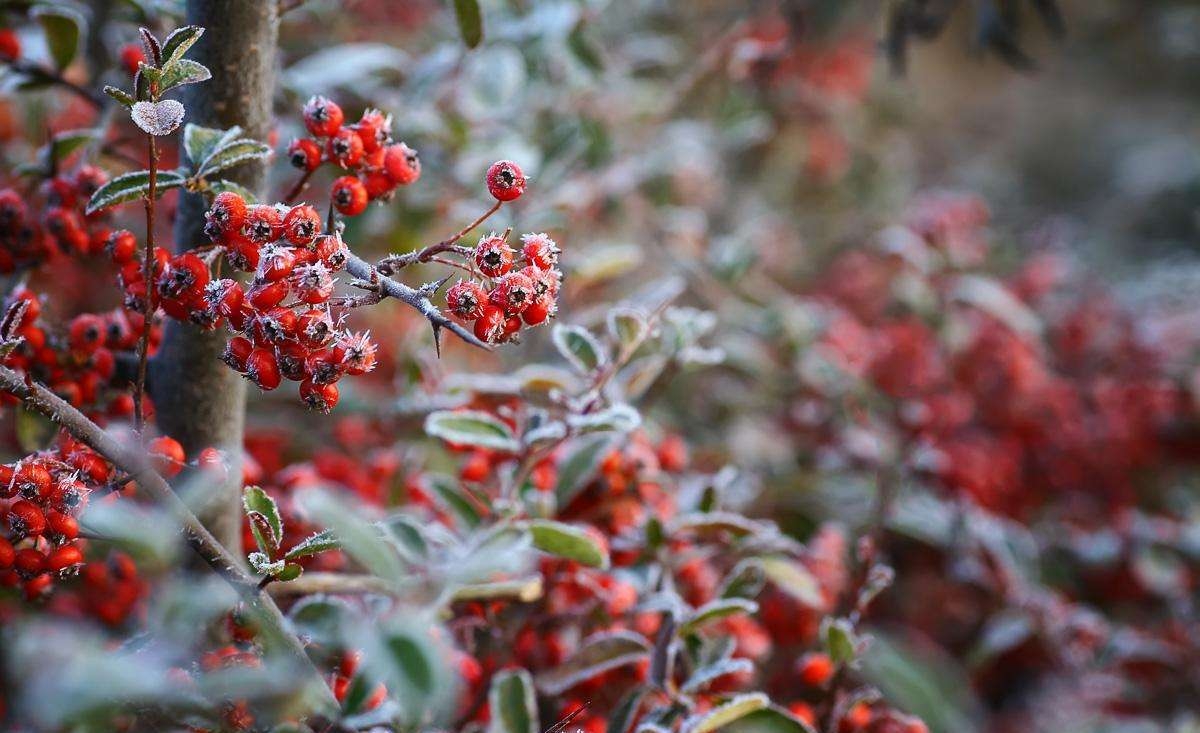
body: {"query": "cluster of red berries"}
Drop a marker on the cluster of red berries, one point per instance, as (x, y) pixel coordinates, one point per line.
(296, 339)
(79, 365)
(510, 296)
(376, 166)
(29, 237)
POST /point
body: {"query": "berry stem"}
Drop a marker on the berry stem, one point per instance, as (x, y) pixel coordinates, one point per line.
(392, 263)
(298, 187)
(139, 415)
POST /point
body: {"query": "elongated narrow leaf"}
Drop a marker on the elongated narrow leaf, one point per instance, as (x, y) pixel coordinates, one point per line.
(794, 579)
(470, 21)
(619, 418)
(269, 531)
(566, 541)
(525, 590)
(362, 540)
(580, 464)
(220, 186)
(706, 675)
(772, 719)
(313, 544)
(722, 715)
(626, 327)
(579, 347)
(178, 43)
(625, 712)
(63, 27)
(598, 654)
(454, 497)
(472, 428)
(122, 96)
(231, 154)
(68, 141)
(200, 142)
(131, 187)
(715, 611)
(512, 703)
(184, 71)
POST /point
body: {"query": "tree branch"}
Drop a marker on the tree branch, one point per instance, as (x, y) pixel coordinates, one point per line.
(133, 461)
(363, 270)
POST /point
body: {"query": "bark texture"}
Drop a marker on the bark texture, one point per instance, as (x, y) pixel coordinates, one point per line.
(198, 400)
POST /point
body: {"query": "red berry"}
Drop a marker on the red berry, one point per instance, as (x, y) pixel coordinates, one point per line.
(86, 333)
(374, 129)
(305, 154)
(7, 554)
(25, 519)
(10, 45)
(226, 216)
(263, 369)
(493, 256)
(401, 164)
(539, 250)
(349, 196)
(513, 292)
(32, 481)
(466, 300)
(319, 397)
(167, 454)
(355, 352)
(540, 310)
(64, 558)
(322, 117)
(29, 562)
(302, 225)
(489, 327)
(131, 55)
(236, 352)
(815, 670)
(345, 148)
(505, 180)
(263, 224)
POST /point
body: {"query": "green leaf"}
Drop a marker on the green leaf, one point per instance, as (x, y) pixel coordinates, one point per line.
(470, 21)
(312, 545)
(68, 141)
(702, 522)
(473, 428)
(454, 497)
(35, 431)
(200, 142)
(771, 719)
(625, 711)
(221, 185)
(410, 657)
(63, 27)
(580, 464)
(585, 49)
(627, 327)
(579, 347)
(596, 655)
(619, 418)
(745, 580)
(178, 43)
(131, 187)
(512, 703)
(919, 680)
(841, 641)
(321, 619)
(122, 96)
(263, 565)
(794, 579)
(179, 73)
(564, 540)
(268, 532)
(290, 571)
(362, 540)
(232, 153)
(722, 715)
(709, 673)
(715, 611)
(525, 590)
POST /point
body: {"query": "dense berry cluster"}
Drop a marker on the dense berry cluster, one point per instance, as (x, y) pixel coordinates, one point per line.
(54, 222)
(518, 288)
(284, 318)
(80, 364)
(375, 165)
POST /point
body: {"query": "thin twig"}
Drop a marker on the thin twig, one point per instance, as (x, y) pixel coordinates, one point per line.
(41, 73)
(139, 416)
(298, 187)
(391, 263)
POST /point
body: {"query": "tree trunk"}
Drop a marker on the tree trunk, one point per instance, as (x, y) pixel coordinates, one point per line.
(197, 398)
